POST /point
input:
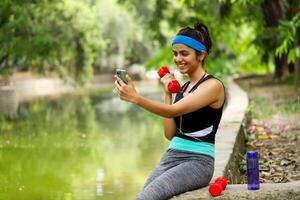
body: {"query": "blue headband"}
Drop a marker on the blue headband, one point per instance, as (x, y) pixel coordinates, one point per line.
(188, 41)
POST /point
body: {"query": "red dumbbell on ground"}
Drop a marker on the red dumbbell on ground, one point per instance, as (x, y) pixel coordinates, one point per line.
(173, 85)
(216, 188)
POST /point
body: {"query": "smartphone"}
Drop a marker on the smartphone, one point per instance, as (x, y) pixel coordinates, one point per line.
(121, 73)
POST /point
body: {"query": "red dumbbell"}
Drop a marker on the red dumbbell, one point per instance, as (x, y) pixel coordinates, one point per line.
(223, 181)
(216, 188)
(173, 85)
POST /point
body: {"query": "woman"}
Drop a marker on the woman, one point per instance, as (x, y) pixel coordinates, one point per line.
(190, 122)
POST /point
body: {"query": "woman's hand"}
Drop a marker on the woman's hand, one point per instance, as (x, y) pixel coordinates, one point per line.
(125, 91)
(165, 80)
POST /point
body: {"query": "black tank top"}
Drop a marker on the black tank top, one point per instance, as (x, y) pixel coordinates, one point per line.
(200, 125)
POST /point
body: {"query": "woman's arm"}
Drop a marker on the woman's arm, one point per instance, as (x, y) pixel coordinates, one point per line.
(209, 92)
(128, 93)
(169, 123)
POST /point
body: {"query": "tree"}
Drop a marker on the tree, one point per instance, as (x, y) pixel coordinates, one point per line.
(279, 37)
(71, 38)
(126, 41)
(290, 40)
(22, 38)
(47, 35)
(274, 12)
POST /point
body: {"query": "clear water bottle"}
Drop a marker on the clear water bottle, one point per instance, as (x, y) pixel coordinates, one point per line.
(252, 170)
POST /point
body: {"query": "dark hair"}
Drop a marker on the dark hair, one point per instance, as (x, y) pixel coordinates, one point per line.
(199, 32)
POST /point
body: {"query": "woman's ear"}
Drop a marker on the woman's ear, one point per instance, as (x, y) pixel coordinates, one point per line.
(201, 56)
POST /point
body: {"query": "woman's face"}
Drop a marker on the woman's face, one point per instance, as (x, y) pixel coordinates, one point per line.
(185, 58)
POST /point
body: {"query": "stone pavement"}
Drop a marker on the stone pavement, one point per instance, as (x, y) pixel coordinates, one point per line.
(273, 191)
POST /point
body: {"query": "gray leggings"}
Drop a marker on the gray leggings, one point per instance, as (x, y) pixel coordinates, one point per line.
(177, 172)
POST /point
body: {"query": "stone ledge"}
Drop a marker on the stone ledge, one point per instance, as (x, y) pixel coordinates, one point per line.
(274, 191)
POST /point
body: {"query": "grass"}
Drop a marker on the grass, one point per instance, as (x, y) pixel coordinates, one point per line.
(269, 98)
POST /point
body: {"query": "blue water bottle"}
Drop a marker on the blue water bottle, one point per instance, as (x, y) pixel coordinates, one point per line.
(252, 170)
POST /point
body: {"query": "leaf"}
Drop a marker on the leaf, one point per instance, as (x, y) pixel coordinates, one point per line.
(181, 2)
(263, 137)
(265, 174)
(284, 162)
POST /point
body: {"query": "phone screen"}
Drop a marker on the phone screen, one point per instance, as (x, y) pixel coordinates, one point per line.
(121, 73)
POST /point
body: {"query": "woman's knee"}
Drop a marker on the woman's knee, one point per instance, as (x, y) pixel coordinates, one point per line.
(156, 191)
(147, 194)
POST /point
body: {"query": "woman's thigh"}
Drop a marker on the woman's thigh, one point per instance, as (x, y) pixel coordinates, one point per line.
(186, 176)
(167, 162)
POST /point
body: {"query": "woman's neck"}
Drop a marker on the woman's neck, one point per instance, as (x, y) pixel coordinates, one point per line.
(196, 75)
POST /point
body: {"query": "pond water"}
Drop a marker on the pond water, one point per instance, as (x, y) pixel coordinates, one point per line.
(78, 147)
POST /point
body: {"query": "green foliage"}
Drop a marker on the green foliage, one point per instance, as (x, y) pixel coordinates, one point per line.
(249, 112)
(288, 33)
(17, 28)
(81, 40)
(191, 2)
(72, 38)
(244, 2)
(220, 67)
(233, 48)
(162, 57)
(273, 39)
(124, 37)
(44, 36)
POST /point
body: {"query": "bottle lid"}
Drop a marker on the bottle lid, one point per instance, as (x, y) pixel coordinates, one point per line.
(252, 154)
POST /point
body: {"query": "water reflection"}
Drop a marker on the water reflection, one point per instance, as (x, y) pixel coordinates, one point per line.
(99, 182)
(75, 148)
(8, 101)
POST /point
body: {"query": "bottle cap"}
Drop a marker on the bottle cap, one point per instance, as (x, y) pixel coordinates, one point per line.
(252, 154)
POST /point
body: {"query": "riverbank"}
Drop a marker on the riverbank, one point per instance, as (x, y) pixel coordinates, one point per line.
(27, 86)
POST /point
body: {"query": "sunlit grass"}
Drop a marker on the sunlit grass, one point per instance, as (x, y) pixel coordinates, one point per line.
(269, 98)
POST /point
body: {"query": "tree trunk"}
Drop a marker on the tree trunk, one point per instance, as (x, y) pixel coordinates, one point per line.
(281, 67)
(294, 10)
(297, 66)
(297, 75)
(274, 12)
